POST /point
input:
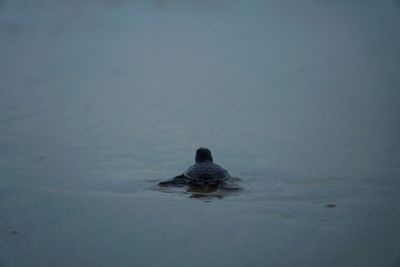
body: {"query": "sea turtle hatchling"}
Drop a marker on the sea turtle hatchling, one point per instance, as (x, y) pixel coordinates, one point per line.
(203, 173)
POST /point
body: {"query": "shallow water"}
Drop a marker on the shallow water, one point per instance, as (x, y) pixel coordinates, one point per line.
(100, 100)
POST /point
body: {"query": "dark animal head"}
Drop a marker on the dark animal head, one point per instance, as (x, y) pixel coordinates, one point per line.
(203, 154)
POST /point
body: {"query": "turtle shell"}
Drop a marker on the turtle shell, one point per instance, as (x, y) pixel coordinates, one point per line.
(206, 172)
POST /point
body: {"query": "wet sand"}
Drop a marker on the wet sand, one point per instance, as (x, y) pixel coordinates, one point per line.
(101, 100)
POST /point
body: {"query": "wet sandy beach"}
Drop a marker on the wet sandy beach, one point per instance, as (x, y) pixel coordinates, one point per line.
(101, 100)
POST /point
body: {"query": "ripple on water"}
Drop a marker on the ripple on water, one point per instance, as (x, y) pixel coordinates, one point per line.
(207, 194)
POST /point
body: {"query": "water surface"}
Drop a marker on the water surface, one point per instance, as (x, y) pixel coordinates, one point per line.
(100, 100)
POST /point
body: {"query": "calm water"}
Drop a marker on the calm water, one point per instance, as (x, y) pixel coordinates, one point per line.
(100, 100)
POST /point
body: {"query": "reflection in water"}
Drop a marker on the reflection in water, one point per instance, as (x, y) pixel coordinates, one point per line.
(212, 191)
(209, 193)
(204, 192)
